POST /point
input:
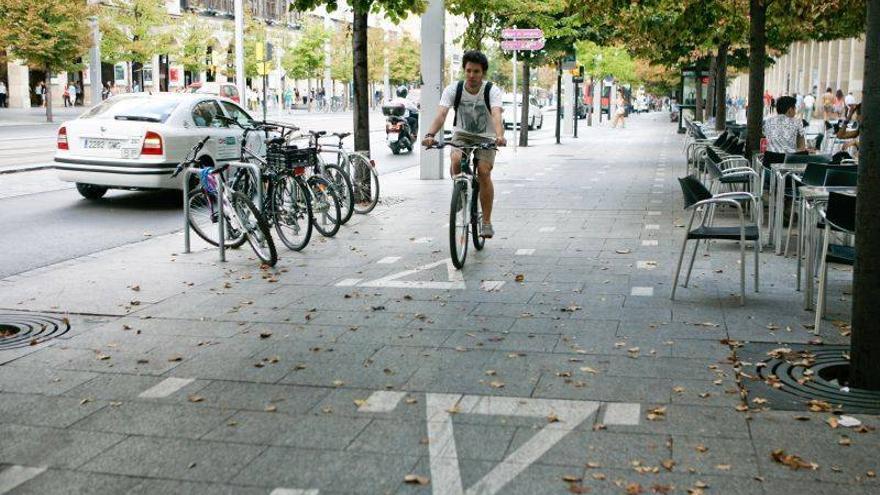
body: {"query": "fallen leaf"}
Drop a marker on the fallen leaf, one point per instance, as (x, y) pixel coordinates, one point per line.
(552, 418)
(845, 441)
(634, 489)
(360, 402)
(587, 369)
(519, 278)
(265, 335)
(832, 422)
(792, 461)
(414, 479)
(85, 401)
(571, 478)
(195, 398)
(102, 357)
(678, 389)
(742, 408)
(759, 400)
(593, 465)
(174, 359)
(621, 251)
(722, 467)
(598, 476)
(271, 408)
(701, 448)
(657, 413)
(491, 372)
(668, 464)
(496, 384)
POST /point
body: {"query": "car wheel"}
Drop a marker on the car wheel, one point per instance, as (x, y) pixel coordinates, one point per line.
(91, 191)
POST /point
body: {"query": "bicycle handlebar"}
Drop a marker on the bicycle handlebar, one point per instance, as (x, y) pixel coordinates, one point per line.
(191, 156)
(480, 146)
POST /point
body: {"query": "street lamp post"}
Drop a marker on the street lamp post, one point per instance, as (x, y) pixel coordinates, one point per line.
(239, 51)
(95, 60)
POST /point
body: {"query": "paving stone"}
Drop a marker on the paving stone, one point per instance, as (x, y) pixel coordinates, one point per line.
(37, 410)
(75, 482)
(41, 446)
(279, 428)
(165, 420)
(192, 460)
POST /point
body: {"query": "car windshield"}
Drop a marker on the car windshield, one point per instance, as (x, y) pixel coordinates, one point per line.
(134, 108)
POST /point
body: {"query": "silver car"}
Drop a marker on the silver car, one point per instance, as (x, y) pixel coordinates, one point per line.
(134, 141)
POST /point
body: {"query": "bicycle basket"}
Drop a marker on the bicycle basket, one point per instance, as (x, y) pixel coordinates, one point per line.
(291, 157)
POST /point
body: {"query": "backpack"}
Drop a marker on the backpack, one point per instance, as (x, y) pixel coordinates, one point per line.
(459, 88)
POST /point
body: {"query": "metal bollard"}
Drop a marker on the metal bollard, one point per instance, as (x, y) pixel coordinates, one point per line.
(221, 186)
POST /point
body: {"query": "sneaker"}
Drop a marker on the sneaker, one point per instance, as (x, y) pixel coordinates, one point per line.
(487, 231)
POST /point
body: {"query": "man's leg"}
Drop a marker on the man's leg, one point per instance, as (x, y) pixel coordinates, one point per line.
(487, 190)
(454, 162)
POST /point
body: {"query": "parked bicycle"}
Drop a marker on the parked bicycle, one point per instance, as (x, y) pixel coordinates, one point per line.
(361, 172)
(465, 211)
(243, 221)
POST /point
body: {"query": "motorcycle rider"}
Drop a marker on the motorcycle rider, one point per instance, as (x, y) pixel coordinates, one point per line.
(412, 111)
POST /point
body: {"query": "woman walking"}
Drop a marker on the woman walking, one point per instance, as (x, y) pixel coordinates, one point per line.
(837, 108)
(620, 111)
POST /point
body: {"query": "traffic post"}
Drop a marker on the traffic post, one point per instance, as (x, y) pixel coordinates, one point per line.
(516, 40)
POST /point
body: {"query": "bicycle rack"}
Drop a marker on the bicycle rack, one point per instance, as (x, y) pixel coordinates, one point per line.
(221, 185)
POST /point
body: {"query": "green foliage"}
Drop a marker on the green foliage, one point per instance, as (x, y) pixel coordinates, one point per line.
(394, 10)
(305, 59)
(376, 48)
(405, 60)
(602, 61)
(50, 34)
(341, 63)
(134, 30)
(192, 43)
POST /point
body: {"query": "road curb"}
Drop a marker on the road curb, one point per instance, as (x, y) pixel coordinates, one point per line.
(25, 169)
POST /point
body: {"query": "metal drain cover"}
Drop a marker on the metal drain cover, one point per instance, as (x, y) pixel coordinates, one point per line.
(789, 377)
(22, 329)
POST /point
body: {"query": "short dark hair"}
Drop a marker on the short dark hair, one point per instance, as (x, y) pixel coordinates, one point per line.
(784, 104)
(475, 57)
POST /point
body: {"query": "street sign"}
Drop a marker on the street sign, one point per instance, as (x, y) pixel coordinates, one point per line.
(522, 45)
(577, 80)
(521, 34)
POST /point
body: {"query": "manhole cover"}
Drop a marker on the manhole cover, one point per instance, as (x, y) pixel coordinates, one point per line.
(23, 330)
(789, 377)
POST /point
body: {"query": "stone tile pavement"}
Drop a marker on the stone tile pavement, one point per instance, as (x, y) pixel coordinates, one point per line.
(555, 362)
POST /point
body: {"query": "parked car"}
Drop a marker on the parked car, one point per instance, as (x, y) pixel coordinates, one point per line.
(513, 114)
(135, 140)
(226, 90)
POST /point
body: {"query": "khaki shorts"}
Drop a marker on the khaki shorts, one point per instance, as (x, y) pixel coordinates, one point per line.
(485, 156)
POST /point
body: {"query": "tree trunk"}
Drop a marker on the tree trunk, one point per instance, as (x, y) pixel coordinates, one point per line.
(710, 90)
(361, 86)
(47, 94)
(757, 54)
(698, 93)
(309, 94)
(524, 117)
(865, 343)
(721, 88)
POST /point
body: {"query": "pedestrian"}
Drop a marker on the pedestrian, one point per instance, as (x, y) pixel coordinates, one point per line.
(65, 97)
(2, 94)
(71, 89)
(106, 92)
(850, 101)
(620, 111)
(784, 132)
(838, 106)
(296, 95)
(288, 98)
(40, 90)
(809, 104)
(827, 104)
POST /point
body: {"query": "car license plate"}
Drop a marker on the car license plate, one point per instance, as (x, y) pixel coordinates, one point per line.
(102, 144)
(393, 137)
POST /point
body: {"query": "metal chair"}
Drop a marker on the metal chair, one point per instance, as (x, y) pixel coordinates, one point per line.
(841, 177)
(698, 198)
(840, 216)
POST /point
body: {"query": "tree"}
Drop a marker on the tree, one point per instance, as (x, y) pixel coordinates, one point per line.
(405, 60)
(377, 46)
(50, 35)
(865, 343)
(341, 60)
(306, 59)
(192, 43)
(395, 10)
(133, 32)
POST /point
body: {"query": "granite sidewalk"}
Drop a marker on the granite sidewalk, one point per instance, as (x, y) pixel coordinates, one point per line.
(554, 362)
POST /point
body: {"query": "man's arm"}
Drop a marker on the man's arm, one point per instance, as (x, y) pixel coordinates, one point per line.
(436, 125)
(499, 127)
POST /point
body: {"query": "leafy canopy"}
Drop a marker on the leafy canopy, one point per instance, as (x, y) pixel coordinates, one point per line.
(50, 34)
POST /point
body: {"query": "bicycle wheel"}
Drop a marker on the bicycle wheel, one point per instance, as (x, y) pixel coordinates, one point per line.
(248, 219)
(458, 226)
(342, 182)
(204, 214)
(326, 213)
(477, 218)
(292, 211)
(365, 183)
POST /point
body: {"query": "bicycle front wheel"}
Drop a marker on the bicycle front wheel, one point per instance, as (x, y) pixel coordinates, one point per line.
(248, 219)
(326, 212)
(458, 224)
(292, 209)
(204, 214)
(342, 183)
(477, 218)
(365, 183)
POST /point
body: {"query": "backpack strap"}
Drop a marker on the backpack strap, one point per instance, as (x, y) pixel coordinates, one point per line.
(458, 89)
(486, 96)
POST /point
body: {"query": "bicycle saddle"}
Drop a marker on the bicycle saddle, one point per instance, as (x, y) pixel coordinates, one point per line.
(341, 135)
(317, 133)
(275, 141)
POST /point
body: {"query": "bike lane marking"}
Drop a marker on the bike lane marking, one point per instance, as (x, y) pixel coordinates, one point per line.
(388, 260)
(165, 388)
(382, 401)
(455, 279)
(14, 476)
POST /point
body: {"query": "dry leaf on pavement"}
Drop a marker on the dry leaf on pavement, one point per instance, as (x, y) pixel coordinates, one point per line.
(792, 461)
(414, 479)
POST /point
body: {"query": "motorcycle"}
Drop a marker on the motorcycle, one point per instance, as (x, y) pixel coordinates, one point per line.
(400, 135)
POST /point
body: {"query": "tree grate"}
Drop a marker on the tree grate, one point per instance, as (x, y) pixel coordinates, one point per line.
(24, 329)
(790, 377)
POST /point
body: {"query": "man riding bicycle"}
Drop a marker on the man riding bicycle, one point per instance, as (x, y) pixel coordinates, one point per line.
(477, 106)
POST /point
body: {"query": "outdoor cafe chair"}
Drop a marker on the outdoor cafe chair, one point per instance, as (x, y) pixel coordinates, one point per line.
(839, 216)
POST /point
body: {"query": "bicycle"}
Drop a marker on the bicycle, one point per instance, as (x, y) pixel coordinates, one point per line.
(241, 217)
(361, 172)
(465, 210)
(337, 176)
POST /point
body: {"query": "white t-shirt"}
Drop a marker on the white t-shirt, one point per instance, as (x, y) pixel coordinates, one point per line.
(849, 99)
(809, 101)
(473, 117)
